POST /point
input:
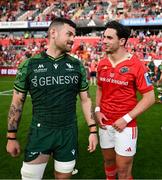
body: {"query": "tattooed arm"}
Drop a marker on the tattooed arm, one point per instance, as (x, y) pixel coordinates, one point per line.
(89, 116)
(14, 117)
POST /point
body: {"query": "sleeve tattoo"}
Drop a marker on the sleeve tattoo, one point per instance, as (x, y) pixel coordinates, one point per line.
(15, 112)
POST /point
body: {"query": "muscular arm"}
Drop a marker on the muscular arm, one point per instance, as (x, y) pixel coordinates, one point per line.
(98, 95)
(147, 100)
(15, 112)
(87, 107)
(14, 116)
(100, 116)
(89, 116)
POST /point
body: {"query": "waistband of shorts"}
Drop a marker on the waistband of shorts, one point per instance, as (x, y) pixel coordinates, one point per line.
(51, 126)
(133, 123)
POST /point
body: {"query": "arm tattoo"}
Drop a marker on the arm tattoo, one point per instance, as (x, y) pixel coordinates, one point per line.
(14, 117)
(17, 92)
(88, 95)
(92, 113)
(23, 96)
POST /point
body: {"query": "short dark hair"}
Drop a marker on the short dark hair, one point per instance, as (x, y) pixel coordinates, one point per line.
(121, 30)
(62, 21)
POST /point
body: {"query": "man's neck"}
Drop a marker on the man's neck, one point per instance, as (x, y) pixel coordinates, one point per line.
(55, 53)
(119, 56)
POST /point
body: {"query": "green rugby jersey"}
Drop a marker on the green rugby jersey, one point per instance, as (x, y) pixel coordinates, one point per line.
(53, 85)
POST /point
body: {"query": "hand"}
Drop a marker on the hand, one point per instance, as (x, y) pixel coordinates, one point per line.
(100, 116)
(13, 148)
(120, 124)
(93, 141)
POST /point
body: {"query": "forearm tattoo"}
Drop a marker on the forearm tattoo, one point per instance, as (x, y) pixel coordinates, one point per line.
(92, 113)
(88, 95)
(14, 115)
(23, 96)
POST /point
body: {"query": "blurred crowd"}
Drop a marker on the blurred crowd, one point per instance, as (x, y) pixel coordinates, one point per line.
(46, 10)
(13, 49)
(17, 50)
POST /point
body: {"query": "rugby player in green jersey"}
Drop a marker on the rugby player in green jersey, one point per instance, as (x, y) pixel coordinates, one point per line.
(53, 79)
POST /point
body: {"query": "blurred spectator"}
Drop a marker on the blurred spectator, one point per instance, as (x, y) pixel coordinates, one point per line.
(151, 66)
(159, 75)
(93, 71)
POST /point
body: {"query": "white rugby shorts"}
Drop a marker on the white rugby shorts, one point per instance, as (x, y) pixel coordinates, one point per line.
(124, 143)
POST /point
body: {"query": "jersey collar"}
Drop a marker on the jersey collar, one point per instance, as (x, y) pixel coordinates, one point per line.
(52, 58)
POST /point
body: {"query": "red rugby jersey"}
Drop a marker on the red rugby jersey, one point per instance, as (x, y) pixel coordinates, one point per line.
(119, 86)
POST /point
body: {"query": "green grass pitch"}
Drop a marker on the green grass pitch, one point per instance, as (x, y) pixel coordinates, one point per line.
(147, 162)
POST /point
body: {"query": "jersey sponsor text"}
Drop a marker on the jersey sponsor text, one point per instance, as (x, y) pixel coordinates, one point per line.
(51, 80)
(114, 81)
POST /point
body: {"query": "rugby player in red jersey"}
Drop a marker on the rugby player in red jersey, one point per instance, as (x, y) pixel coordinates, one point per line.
(120, 76)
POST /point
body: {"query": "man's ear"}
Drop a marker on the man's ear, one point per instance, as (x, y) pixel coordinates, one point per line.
(122, 41)
(53, 33)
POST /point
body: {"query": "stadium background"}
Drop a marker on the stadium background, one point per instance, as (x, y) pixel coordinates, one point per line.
(23, 26)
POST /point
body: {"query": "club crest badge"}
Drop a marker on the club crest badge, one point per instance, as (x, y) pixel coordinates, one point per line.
(124, 70)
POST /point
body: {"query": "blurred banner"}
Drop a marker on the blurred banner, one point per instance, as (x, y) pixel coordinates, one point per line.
(14, 25)
(8, 71)
(148, 21)
(83, 23)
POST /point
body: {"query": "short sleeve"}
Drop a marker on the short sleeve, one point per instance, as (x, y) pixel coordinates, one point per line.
(20, 83)
(84, 82)
(143, 81)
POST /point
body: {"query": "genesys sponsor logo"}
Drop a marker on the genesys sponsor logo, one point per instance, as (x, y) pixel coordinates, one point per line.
(52, 80)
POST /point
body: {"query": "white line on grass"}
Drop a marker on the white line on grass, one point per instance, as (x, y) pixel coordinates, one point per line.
(4, 92)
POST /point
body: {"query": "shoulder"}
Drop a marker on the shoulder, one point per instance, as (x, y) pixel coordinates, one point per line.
(26, 62)
(135, 61)
(137, 65)
(73, 59)
(23, 64)
(37, 56)
(103, 63)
